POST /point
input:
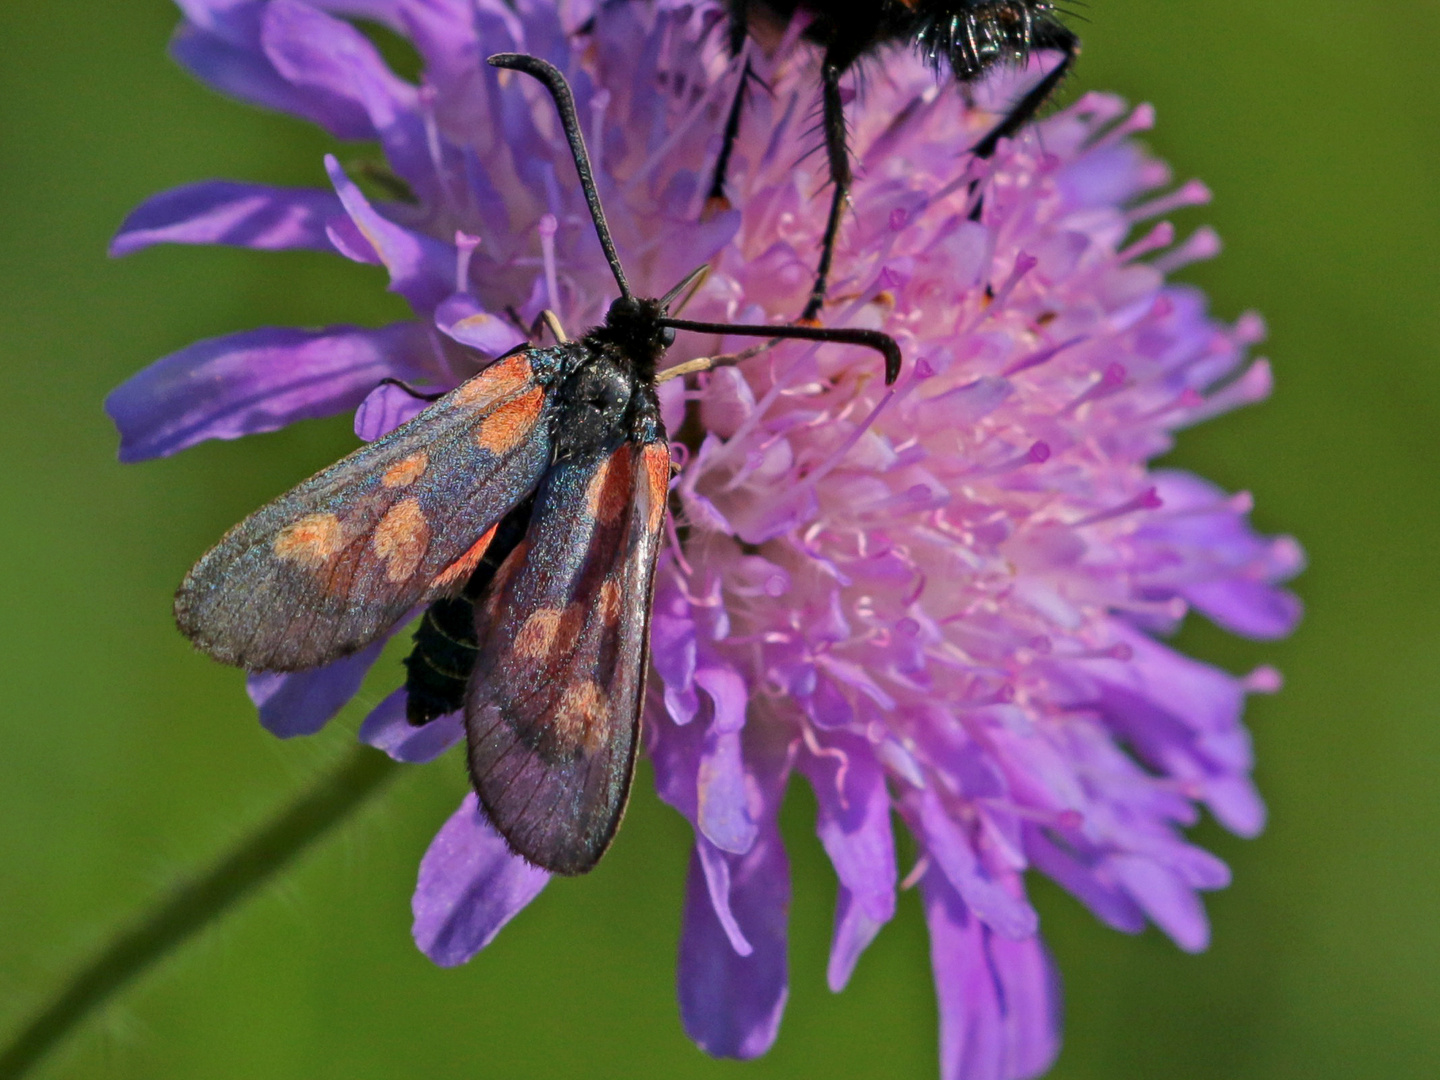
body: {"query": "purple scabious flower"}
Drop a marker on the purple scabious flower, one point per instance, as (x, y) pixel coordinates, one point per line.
(943, 600)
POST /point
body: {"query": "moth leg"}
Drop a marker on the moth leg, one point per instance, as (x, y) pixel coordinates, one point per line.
(547, 319)
(710, 363)
(550, 319)
(717, 201)
(418, 395)
(838, 154)
(1057, 39)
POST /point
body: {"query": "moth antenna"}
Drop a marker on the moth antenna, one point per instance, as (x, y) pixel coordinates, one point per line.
(559, 89)
(882, 343)
(689, 285)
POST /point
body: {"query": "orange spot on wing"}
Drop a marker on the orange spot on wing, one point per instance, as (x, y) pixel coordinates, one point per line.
(549, 631)
(406, 471)
(580, 718)
(656, 461)
(501, 378)
(608, 493)
(464, 566)
(610, 596)
(504, 576)
(506, 427)
(401, 539)
(311, 542)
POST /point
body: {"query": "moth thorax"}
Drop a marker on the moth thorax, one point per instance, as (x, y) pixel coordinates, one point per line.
(595, 402)
(972, 36)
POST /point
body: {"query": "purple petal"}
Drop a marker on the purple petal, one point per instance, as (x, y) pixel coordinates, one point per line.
(470, 886)
(991, 902)
(224, 51)
(854, 826)
(1236, 804)
(731, 1004)
(231, 213)
(387, 729)
(302, 702)
(384, 409)
(1252, 608)
(715, 865)
(461, 318)
(1169, 902)
(389, 12)
(258, 380)
(999, 1000)
(422, 269)
(731, 999)
(1031, 1001)
(728, 693)
(675, 753)
(346, 238)
(724, 813)
(444, 33)
(1217, 562)
(723, 803)
(673, 650)
(1200, 697)
(1093, 887)
(330, 58)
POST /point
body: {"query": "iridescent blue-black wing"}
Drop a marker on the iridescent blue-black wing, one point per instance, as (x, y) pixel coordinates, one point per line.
(553, 708)
(329, 566)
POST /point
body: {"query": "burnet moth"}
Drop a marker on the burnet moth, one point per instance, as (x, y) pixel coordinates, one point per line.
(524, 509)
(971, 38)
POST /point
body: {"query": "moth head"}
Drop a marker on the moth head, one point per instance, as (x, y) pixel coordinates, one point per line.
(633, 323)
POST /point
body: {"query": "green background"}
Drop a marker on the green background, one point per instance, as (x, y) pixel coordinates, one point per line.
(128, 759)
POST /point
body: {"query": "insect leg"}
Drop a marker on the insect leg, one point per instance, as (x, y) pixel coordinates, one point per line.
(418, 395)
(838, 153)
(717, 201)
(550, 319)
(1054, 37)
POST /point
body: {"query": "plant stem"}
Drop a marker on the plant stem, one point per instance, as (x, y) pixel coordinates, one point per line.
(195, 903)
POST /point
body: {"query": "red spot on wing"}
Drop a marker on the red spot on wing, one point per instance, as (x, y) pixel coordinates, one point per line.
(461, 569)
(311, 542)
(402, 538)
(549, 632)
(581, 720)
(406, 471)
(503, 576)
(608, 493)
(511, 423)
(655, 459)
(610, 600)
(501, 378)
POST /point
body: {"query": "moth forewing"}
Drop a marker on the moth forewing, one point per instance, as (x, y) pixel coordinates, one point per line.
(330, 566)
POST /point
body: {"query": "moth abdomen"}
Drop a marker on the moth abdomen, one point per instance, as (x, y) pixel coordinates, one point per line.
(439, 665)
(443, 656)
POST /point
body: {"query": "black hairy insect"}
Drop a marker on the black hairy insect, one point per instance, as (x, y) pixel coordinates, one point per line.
(524, 511)
(969, 38)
